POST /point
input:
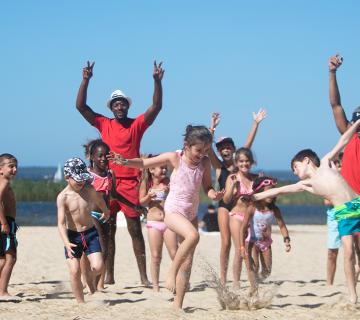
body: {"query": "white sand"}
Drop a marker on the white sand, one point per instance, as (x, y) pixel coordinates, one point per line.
(40, 278)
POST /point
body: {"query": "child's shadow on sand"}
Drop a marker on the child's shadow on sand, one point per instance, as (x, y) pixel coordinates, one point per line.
(120, 301)
(193, 309)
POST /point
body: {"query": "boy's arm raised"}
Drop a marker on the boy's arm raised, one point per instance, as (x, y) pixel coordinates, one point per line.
(343, 141)
(152, 112)
(339, 114)
(81, 105)
(258, 117)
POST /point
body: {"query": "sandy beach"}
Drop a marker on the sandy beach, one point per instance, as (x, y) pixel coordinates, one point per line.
(295, 290)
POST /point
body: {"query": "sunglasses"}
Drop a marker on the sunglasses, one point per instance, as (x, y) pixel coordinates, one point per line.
(264, 183)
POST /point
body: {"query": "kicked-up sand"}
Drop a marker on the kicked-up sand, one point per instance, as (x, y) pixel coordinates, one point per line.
(295, 290)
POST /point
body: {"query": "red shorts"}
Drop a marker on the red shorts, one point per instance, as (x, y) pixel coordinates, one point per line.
(128, 188)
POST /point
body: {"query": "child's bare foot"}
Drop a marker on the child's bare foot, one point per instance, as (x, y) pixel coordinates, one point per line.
(236, 285)
(145, 282)
(109, 281)
(353, 299)
(170, 284)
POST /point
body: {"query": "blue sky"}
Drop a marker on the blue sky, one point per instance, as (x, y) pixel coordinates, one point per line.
(227, 56)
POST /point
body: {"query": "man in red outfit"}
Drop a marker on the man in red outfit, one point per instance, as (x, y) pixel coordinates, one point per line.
(123, 135)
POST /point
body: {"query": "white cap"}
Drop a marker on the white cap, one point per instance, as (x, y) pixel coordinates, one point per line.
(116, 95)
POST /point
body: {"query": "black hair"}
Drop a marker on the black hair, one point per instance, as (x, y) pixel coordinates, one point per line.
(146, 174)
(306, 153)
(246, 152)
(5, 156)
(91, 146)
(196, 134)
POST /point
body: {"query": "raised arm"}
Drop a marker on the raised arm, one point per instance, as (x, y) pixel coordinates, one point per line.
(257, 117)
(339, 114)
(343, 141)
(215, 161)
(152, 112)
(81, 105)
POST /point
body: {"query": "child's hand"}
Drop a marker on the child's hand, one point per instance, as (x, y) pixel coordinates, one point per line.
(335, 62)
(259, 116)
(215, 120)
(216, 195)
(69, 249)
(105, 216)
(5, 228)
(287, 243)
(158, 72)
(88, 70)
(151, 194)
(116, 158)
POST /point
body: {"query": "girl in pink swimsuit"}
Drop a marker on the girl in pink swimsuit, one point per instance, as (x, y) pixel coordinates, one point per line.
(191, 169)
(154, 189)
(259, 218)
(238, 184)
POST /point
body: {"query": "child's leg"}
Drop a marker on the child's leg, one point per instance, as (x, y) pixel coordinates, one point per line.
(235, 226)
(348, 245)
(155, 243)
(357, 253)
(75, 279)
(331, 266)
(223, 221)
(96, 262)
(182, 280)
(255, 259)
(104, 243)
(110, 260)
(86, 273)
(266, 258)
(171, 242)
(250, 267)
(183, 227)
(8, 265)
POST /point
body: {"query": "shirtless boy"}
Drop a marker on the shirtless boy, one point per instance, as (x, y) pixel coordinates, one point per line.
(8, 243)
(76, 227)
(322, 178)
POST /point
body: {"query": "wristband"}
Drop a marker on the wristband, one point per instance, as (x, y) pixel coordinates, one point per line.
(287, 239)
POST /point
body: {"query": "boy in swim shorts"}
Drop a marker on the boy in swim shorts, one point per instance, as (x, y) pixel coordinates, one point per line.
(8, 243)
(76, 227)
(323, 178)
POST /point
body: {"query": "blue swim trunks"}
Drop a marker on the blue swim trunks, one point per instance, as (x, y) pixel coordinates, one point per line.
(8, 241)
(347, 216)
(87, 241)
(333, 237)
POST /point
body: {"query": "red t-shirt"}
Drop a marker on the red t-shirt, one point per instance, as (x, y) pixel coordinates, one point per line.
(350, 168)
(124, 140)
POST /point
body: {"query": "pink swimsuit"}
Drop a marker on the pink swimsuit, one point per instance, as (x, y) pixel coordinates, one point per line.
(185, 183)
(242, 189)
(102, 183)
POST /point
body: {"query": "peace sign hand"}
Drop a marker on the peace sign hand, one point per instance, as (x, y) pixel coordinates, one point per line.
(88, 70)
(158, 71)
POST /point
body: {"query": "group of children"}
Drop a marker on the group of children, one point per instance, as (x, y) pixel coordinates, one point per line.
(246, 208)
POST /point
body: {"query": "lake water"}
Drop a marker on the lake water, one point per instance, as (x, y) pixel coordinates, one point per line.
(44, 214)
